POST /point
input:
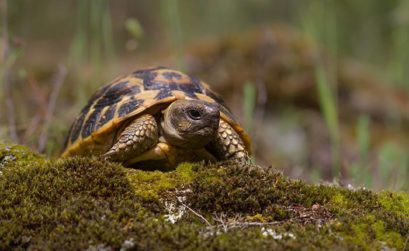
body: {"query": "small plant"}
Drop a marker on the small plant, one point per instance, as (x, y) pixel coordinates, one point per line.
(360, 172)
(171, 16)
(399, 45)
(249, 105)
(393, 166)
(9, 55)
(92, 44)
(319, 22)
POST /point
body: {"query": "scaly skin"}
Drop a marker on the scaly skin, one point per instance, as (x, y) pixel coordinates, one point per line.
(138, 137)
(141, 137)
(228, 144)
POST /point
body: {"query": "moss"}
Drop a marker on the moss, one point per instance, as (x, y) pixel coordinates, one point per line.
(391, 238)
(10, 154)
(369, 233)
(41, 203)
(397, 202)
(256, 217)
(85, 203)
(149, 184)
(339, 200)
(238, 191)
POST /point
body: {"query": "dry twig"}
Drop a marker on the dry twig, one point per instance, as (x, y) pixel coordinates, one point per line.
(249, 224)
(57, 82)
(225, 225)
(34, 126)
(196, 213)
(236, 223)
(242, 225)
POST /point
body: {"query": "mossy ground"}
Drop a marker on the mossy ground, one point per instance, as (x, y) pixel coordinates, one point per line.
(81, 203)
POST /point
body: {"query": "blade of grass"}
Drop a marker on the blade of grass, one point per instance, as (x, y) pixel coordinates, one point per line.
(107, 33)
(93, 42)
(172, 18)
(78, 50)
(363, 137)
(330, 112)
(249, 105)
(360, 171)
(96, 9)
(319, 23)
(101, 43)
(79, 53)
(56, 87)
(393, 167)
(9, 58)
(400, 45)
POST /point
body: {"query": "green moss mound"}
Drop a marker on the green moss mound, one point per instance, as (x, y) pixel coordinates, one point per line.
(10, 154)
(77, 204)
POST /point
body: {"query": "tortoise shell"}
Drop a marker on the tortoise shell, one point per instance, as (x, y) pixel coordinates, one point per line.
(116, 103)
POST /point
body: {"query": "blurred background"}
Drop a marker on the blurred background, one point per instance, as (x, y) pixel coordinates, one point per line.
(322, 86)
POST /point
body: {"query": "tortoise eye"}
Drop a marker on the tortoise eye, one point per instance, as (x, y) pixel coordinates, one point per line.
(194, 114)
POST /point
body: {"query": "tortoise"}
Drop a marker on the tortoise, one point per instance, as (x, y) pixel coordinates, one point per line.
(157, 118)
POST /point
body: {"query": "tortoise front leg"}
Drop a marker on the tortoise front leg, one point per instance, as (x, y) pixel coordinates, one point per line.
(137, 138)
(228, 144)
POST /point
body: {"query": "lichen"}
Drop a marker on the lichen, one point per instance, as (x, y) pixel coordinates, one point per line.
(80, 203)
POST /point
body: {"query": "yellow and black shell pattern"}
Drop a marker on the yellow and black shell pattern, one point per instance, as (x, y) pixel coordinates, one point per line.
(125, 98)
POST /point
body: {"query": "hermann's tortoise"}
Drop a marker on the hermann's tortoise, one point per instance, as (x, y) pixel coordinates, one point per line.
(157, 118)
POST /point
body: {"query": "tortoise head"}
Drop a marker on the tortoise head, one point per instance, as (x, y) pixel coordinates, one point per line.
(190, 123)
